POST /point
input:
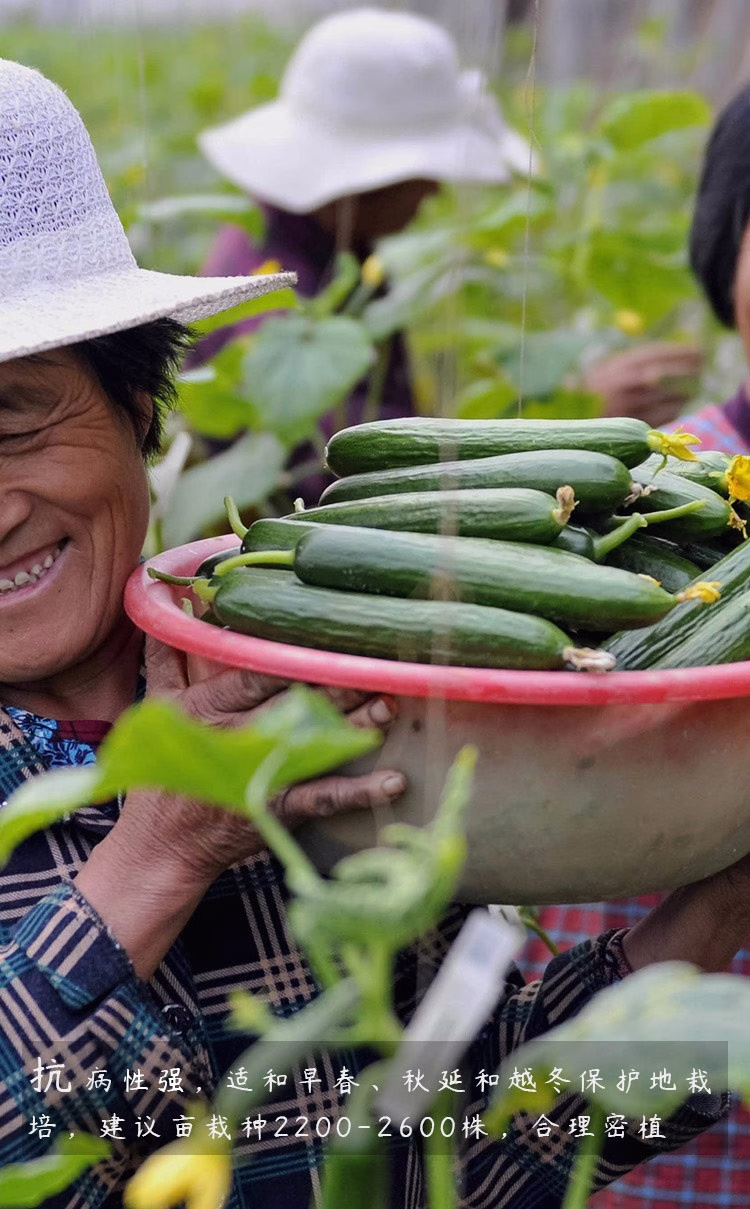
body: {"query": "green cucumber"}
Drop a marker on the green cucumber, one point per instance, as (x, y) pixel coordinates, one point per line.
(277, 606)
(512, 514)
(600, 482)
(277, 533)
(707, 554)
(562, 587)
(644, 648)
(709, 469)
(724, 638)
(651, 556)
(387, 444)
(209, 565)
(672, 491)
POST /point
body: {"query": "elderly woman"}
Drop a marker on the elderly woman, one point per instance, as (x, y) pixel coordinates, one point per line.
(126, 927)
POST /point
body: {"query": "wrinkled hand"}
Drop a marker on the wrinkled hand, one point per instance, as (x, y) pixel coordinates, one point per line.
(149, 873)
(652, 382)
(705, 923)
(208, 840)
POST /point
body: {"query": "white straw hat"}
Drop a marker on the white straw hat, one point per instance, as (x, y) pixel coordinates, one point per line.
(66, 269)
(369, 98)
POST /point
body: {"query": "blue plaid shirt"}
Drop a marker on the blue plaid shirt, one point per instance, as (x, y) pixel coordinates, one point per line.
(69, 995)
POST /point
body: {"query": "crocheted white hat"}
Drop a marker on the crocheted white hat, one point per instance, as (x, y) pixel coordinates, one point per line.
(66, 269)
(369, 98)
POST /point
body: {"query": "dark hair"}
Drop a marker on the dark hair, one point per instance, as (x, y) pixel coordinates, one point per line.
(722, 207)
(141, 360)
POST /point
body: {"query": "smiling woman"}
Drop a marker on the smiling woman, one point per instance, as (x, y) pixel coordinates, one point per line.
(126, 928)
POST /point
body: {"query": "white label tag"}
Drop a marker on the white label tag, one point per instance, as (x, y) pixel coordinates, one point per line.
(465, 990)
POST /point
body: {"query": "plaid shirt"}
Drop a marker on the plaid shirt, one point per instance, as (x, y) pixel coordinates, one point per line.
(714, 1171)
(68, 994)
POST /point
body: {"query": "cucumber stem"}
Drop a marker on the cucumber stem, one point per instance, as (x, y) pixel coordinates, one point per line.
(585, 659)
(234, 518)
(182, 581)
(629, 525)
(610, 541)
(253, 558)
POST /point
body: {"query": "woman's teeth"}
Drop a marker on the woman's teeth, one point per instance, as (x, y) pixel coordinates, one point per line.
(24, 578)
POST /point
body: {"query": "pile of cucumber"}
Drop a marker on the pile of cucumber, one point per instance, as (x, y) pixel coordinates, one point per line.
(501, 543)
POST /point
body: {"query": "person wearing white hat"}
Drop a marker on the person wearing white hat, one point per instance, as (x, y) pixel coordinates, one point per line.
(126, 928)
(373, 113)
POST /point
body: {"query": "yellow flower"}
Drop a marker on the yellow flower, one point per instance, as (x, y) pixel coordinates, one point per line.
(738, 477)
(497, 258)
(708, 592)
(631, 323)
(373, 273)
(173, 1177)
(674, 444)
(268, 266)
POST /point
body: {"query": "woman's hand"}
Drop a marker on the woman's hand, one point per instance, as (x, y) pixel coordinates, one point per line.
(652, 382)
(705, 923)
(149, 874)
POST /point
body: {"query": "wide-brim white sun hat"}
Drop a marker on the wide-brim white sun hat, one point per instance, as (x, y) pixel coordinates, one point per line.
(368, 99)
(67, 273)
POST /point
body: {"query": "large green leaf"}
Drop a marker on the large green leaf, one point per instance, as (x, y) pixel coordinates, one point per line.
(26, 1185)
(155, 745)
(248, 471)
(539, 364)
(211, 397)
(635, 117)
(299, 368)
(278, 300)
(631, 277)
(668, 1016)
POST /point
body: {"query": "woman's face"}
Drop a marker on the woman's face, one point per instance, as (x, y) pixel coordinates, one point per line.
(73, 515)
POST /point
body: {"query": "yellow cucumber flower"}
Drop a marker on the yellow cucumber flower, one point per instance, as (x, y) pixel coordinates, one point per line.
(631, 323)
(268, 266)
(708, 592)
(673, 444)
(738, 477)
(497, 258)
(174, 1177)
(373, 273)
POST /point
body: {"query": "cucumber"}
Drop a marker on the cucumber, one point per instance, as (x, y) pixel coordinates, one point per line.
(600, 482)
(387, 444)
(644, 648)
(650, 556)
(277, 606)
(671, 491)
(707, 554)
(577, 540)
(708, 469)
(209, 565)
(513, 514)
(280, 533)
(562, 587)
(721, 639)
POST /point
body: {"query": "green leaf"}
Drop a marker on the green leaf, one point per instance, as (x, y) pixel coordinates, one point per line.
(664, 1016)
(564, 405)
(248, 471)
(486, 399)
(509, 219)
(210, 397)
(298, 369)
(630, 277)
(155, 745)
(345, 279)
(220, 206)
(635, 117)
(26, 1185)
(278, 300)
(539, 366)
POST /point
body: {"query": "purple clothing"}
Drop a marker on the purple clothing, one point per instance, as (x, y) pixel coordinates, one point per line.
(299, 244)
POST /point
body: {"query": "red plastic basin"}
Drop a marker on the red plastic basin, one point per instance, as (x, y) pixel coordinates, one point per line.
(644, 786)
